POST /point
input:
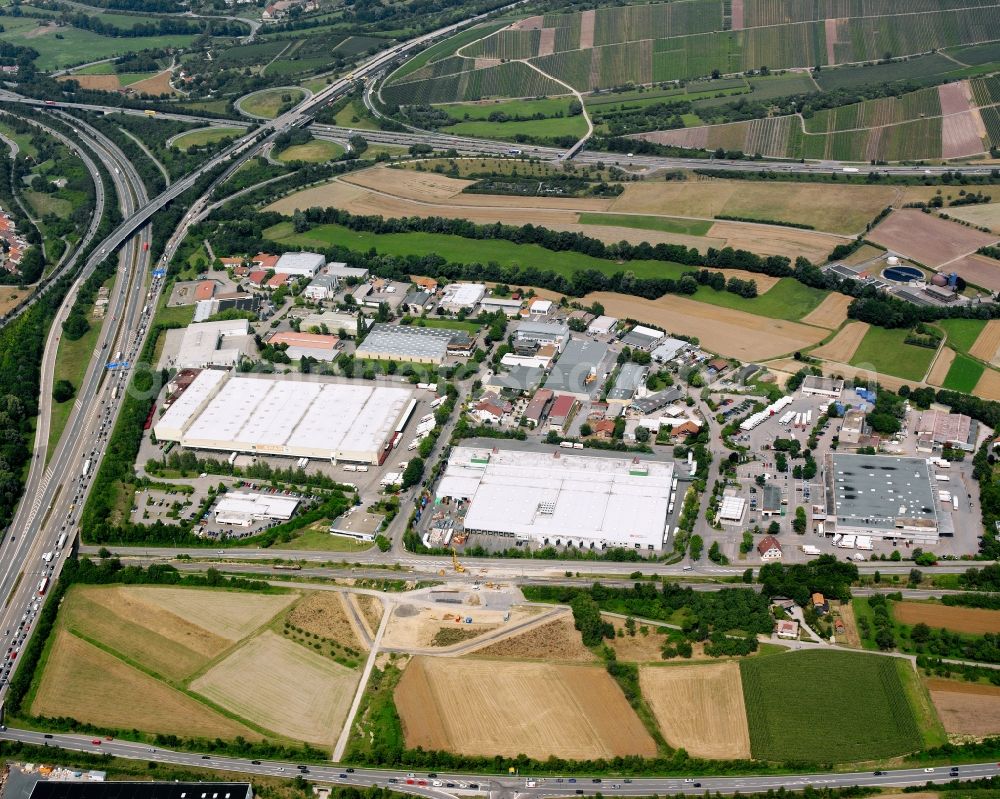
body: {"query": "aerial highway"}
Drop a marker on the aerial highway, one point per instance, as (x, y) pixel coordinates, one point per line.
(450, 784)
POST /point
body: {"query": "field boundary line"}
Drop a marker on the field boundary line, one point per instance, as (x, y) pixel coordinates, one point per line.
(345, 732)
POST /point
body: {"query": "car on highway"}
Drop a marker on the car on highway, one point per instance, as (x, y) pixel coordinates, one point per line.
(928, 771)
(255, 762)
(96, 742)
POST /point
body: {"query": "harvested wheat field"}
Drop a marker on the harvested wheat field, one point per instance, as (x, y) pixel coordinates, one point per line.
(83, 682)
(730, 333)
(939, 371)
(699, 708)
(774, 240)
(409, 183)
(230, 614)
(979, 270)
(831, 313)
(843, 345)
(284, 687)
(928, 239)
(324, 613)
(966, 708)
(156, 85)
(988, 386)
(479, 707)
(99, 83)
(551, 641)
(986, 215)
(837, 209)
(987, 345)
(957, 619)
(122, 619)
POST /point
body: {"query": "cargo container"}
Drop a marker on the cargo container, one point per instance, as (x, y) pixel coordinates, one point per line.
(954, 503)
(566, 444)
(43, 585)
(942, 478)
(232, 457)
(62, 541)
(86, 467)
(809, 549)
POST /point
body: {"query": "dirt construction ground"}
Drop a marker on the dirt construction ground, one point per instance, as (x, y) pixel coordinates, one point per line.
(286, 688)
(732, 334)
(842, 346)
(556, 640)
(415, 626)
(699, 708)
(479, 707)
(928, 239)
(960, 620)
(966, 708)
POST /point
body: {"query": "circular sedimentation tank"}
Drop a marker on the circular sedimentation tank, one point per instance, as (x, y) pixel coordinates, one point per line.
(902, 274)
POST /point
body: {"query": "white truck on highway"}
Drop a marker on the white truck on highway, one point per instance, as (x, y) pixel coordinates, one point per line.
(86, 467)
(62, 541)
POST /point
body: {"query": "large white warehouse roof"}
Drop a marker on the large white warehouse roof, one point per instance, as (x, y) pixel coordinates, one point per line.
(546, 496)
(297, 418)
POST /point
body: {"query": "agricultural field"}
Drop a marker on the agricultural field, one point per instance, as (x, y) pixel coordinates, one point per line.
(977, 270)
(699, 708)
(927, 239)
(190, 661)
(975, 621)
(963, 333)
(884, 351)
(831, 313)
(963, 375)
(505, 708)
(646, 43)
(551, 641)
(687, 227)
(324, 613)
(986, 215)
(966, 708)
(865, 711)
(987, 344)
(307, 702)
(787, 299)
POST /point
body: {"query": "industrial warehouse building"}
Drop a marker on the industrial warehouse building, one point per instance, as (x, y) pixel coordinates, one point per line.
(551, 498)
(414, 344)
(299, 264)
(243, 508)
(268, 415)
(205, 344)
(885, 497)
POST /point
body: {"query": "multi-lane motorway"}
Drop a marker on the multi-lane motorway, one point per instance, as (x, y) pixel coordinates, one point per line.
(55, 493)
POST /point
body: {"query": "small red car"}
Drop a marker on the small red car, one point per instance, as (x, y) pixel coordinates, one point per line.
(96, 742)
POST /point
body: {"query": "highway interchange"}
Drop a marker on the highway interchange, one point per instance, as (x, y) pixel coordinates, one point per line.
(55, 493)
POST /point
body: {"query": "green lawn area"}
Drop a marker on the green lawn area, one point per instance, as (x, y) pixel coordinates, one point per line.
(203, 136)
(43, 204)
(963, 374)
(104, 68)
(317, 151)
(522, 108)
(688, 227)
(128, 78)
(78, 46)
(885, 351)
(830, 707)
(451, 324)
(463, 250)
(23, 140)
(542, 128)
(266, 103)
(315, 540)
(787, 299)
(72, 359)
(962, 333)
(355, 115)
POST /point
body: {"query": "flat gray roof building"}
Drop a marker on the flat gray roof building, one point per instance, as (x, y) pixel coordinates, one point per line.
(630, 377)
(543, 332)
(881, 495)
(408, 343)
(578, 360)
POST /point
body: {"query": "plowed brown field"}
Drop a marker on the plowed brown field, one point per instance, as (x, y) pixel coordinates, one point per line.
(966, 708)
(478, 707)
(960, 620)
(699, 708)
(928, 239)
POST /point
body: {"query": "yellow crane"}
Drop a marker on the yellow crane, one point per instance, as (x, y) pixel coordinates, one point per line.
(454, 562)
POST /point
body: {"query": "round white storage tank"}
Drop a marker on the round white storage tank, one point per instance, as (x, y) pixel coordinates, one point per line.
(893, 260)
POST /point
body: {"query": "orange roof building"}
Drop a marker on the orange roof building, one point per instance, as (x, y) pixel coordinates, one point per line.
(204, 290)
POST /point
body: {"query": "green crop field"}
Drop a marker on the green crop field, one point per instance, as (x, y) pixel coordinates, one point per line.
(964, 374)
(962, 333)
(462, 112)
(267, 103)
(787, 299)
(687, 227)
(462, 250)
(509, 131)
(317, 151)
(199, 138)
(829, 706)
(885, 351)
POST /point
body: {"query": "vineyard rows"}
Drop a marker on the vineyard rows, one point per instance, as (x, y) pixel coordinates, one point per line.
(512, 79)
(986, 91)
(877, 113)
(874, 38)
(507, 44)
(991, 119)
(781, 12)
(784, 46)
